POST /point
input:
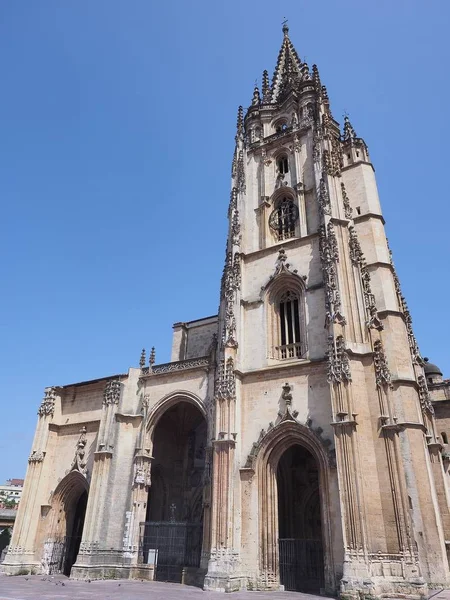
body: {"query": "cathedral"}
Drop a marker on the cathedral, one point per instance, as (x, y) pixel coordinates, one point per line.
(297, 439)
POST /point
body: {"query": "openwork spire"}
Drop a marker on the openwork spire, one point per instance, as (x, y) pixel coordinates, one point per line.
(349, 132)
(288, 70)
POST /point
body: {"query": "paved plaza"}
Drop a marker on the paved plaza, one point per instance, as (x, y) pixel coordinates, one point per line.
(38, 587)
(47, 587)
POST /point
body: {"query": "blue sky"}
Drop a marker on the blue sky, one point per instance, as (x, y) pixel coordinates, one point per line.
(116, 137)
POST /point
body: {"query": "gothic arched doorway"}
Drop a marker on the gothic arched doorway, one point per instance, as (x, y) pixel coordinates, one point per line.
(66, 529)
(294, 477)
(301, 563)
(74, 532)
(174, 522)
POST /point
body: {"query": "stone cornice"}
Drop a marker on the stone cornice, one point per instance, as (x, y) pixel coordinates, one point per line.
(102, 454)
(286, 244)
(356, 164)
(56, 427)
(284, 366)
(126, 417)
(367, 216)
(389, 311)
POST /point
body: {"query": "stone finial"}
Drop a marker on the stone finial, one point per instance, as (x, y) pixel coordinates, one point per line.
(240, 122)
(282, 257)
(285, 28)
(79, 462)
(111, 393)
(265, 88)
(151, 360)
(316, 78)
(286, 395)
(256, 97)
(349, 132)
(142, 359)
(306, 76)
(47, 407)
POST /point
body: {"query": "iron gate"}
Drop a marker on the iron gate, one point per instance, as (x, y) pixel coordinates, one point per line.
(172, 547)
(301, 564)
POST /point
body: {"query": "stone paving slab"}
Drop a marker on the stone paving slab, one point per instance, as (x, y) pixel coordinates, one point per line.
(59, 587)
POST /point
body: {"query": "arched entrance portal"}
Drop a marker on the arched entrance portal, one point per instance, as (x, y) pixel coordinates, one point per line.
(74, 533)
(301, 563)
(66, 530)
(174, 522)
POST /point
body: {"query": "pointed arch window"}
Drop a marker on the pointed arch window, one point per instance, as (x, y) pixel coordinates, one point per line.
(283, 165)
(286, 318)
(289, 326)
(284, 218)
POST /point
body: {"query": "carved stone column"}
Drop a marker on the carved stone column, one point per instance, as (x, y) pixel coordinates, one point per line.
(100, 491)
(22, 547)
(224, 558)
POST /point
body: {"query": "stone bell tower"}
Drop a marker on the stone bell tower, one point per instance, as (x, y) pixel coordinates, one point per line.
(316, 351)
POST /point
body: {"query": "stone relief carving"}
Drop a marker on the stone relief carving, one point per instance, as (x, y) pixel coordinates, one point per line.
(382, 373)
(324, 198)
(233, 202)
(337, 159)
(233, 165)
(424, 395)
(111, 393)
(329, 257)
(182, 365)
(317, 140)
(79, 462)
(145, 402)
(226, 381)
(413, 345)
(231, 282)
(36, 456)
(327, 166)
(338, 362)
(348, 211)
(47, 407)
(142, 472)
(235, 228)
(357, 258)
(240, 172)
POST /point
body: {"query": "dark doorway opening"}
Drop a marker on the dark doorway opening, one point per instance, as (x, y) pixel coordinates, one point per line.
(171, 537)
(74, 533)
(299, 521)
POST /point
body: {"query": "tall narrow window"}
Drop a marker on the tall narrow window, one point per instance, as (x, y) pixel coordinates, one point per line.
(283, 165)
(289, 326)
(283, 219)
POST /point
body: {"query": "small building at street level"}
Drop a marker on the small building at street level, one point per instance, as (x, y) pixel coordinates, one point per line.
(297, 438)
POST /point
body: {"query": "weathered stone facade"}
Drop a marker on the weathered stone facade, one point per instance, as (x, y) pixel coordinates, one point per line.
(306, 391)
